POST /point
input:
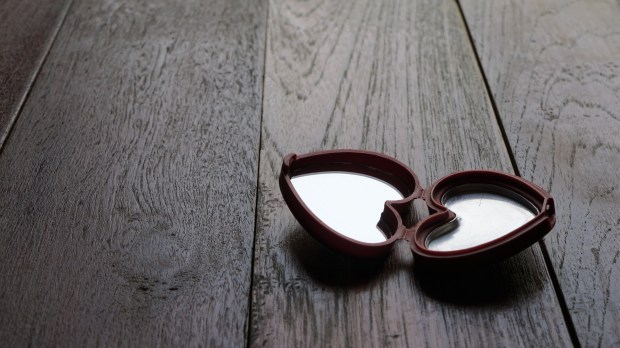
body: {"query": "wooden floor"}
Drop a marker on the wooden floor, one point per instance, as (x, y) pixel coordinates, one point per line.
(141, 140)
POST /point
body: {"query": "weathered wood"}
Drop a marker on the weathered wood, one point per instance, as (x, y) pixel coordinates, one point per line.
(398, 77)
(27, 29)
(128, 183)
(554, 70)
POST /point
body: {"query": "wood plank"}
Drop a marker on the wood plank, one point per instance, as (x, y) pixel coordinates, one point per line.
(553, 67)
(398, 77)
(129, 181)
(28, 29)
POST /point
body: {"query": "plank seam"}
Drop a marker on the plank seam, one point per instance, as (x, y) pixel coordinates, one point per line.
(33, 79)
(257, 195)
(548, 264)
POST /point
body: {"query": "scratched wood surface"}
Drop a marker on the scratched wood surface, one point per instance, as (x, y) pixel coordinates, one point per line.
(27, 29)
(128, 184)
(554, 69)
(399, 77)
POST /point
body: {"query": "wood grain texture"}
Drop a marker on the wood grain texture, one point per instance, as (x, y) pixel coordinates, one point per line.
(27, 29)
(398, 77)
(554, 70)
(128, 184)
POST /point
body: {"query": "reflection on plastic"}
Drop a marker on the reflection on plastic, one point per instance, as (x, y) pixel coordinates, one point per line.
(484, 213)
(349, 203)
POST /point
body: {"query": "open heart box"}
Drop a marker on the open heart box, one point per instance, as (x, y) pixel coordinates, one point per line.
(475, 216)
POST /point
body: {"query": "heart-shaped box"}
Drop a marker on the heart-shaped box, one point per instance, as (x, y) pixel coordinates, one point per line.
(475, 216)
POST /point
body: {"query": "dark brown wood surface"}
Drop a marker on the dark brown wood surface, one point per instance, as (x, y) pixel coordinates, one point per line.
(554, 69)
(128, 184)
(399, 77)
(27, 30)
(140, 144)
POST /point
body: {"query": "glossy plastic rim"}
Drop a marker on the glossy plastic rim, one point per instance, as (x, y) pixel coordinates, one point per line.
(496, 249)
(373, 164)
